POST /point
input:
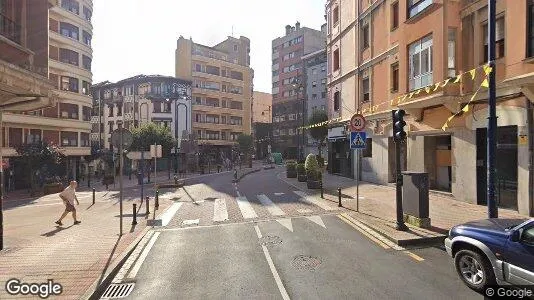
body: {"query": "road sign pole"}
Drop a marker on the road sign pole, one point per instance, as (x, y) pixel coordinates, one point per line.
(120, 178)
(357, 179)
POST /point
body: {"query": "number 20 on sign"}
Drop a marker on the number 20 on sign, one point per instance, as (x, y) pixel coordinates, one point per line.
(357, 123)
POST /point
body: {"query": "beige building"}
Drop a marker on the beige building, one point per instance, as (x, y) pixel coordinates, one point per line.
(262, 105)
(402, 47)
(222, 88)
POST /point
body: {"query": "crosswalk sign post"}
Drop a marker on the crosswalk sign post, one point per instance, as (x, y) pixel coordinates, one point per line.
(358, 141)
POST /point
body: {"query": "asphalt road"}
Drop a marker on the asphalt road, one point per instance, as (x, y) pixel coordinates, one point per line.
(315, 256)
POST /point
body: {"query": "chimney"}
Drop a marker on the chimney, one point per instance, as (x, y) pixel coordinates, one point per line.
(297, 26)
(288, 29)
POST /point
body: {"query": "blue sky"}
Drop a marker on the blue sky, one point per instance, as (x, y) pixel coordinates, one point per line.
(132, 37)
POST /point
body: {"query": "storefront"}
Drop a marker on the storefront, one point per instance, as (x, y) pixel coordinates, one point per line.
(339, 153)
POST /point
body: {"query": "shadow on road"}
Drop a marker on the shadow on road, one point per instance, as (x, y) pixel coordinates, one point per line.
(102, 275)
(57, 230)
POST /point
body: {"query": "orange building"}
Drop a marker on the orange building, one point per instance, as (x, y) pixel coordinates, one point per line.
(380, 50)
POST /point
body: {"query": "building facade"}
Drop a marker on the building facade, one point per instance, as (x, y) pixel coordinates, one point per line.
(163, 100)
(262, 105)
(221, 92)
(315, 68)
(405, 47)
(289, 86)
(54, 39)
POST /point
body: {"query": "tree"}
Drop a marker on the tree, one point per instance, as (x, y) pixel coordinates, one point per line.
(321, 132)
(40, 157)
(245, 146)
(149, 134)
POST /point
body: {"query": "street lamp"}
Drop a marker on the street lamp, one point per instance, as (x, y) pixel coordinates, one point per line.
(297, 85)
(176, 105)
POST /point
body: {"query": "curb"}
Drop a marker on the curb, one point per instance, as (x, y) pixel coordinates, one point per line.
(99, 287)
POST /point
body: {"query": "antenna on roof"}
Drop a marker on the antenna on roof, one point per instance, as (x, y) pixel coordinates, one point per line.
(232, 30)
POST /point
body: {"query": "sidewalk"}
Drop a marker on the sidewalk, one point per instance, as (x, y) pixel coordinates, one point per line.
(377, 209)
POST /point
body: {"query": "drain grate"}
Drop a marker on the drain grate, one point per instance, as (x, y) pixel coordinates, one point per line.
(306, 263)
(120, 290)
(270, 240)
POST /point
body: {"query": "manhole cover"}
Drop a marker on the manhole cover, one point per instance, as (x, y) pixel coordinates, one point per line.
(120, 290)
(270, 240)
(306, 263)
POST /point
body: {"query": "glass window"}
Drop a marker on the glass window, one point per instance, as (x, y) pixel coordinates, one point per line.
(335, 15)
(71, 5)
(394, 77)
(337, 101)
(499, 39)
(417, 6)
(394, 15)
(530, 37)
(365, 36)
(86, 38)
(69, 84)
(336, 59)
(365, 90)
(69, 56)
(420, 63)
(69, 30)
(87, 13)
(86, 62)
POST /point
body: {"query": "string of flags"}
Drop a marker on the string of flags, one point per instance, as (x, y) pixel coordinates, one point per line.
(406, 98)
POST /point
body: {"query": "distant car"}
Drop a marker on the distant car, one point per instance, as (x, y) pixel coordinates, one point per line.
(493, 251)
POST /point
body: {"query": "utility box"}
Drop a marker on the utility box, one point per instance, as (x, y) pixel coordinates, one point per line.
(415, 202)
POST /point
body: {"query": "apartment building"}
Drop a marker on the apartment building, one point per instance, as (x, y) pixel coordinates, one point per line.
(163, 100)
(262, 106)
(222, 89)
(402, 47)
(315, 69)
(289, 86)
(54, 39)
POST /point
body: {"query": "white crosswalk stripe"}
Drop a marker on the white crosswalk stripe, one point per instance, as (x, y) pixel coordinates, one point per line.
(246, 208)
(220, 213)
(271, 207)
(313, 200)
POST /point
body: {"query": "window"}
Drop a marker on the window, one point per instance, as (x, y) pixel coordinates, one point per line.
(527, 236)
(314, 71)
(236, 121)
(275, 84)
(69, 84)
(323, 107)
(275, 61)
(499, 39)
(417, 6)
(323, 68)
(69, 139)
(236, 75)
(323, 95)
(68, 111)
(71, 5)
(314, 83)
(335, 15)
(86, 88)
(314, 96)
(395, 77)
(236, 48)
(275, 73)
(394, 15)
(365, 36)
(69, 56)
(336, 100)
(213, 70)
(336, 59)
(86, 61)
(212, 119)
(198, 100)
(368, 151)
(69, 30)
(236, 105)
(530, 37)
(451, 53)
(365, 90)
(323, 81)
(420, 63)
(86, 38)
(87, 13)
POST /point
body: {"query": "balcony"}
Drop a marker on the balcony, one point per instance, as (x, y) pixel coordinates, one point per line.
(10, 29)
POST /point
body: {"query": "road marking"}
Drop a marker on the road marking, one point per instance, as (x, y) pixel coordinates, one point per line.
(372, 238)
(143, 256)
(413, 255)
(312, 200)
(278, 194)
(246, 208)
(169, 213)
(286, 223)
(191, 222)
(220, 213)
(271, 207)
(317, 220)
(304, 211)
(276, 276)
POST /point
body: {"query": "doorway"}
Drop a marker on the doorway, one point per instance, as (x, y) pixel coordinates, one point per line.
(505, 167)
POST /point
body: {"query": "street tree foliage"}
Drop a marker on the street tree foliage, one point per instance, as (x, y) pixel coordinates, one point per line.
(319, 133)
(149, 134)
(245, 143)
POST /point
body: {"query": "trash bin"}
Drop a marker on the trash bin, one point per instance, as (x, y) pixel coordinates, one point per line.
(415, 202)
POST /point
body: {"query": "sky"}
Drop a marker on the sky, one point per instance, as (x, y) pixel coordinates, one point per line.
(132, 37)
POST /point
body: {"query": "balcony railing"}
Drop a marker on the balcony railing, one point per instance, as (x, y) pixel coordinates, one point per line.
(10, 29)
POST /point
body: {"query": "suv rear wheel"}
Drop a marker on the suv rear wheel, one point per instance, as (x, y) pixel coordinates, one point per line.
(475, 271)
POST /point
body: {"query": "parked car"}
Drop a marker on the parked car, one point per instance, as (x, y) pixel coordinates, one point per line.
(493, 251)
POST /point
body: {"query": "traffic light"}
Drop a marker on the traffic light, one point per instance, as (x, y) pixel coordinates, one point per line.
(398, 124)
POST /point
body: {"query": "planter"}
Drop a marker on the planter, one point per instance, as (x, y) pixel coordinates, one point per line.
(302, 177)
(52, 188)
(291, 174)
(313, 184)
(108, 179)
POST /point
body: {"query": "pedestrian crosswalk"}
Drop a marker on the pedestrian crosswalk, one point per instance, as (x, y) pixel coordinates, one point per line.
(220, 213)
(246, 208)
(271, 207)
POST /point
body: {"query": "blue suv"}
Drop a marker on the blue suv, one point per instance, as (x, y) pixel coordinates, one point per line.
(493, 251)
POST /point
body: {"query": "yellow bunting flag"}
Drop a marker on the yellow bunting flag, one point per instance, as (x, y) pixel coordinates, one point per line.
(411, 95)
(473, 97)
(436, 86)
(365, 110)
(466, 108)
(445, 82)
(418, 91)
(444, 126)
(450, 118)
(404, 98)
(473, 73)
(487, 69)
(485, 83)
(458, 78)
(427, 89)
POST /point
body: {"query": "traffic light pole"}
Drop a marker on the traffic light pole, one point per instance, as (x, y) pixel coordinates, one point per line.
(492, 118)
(399, 135)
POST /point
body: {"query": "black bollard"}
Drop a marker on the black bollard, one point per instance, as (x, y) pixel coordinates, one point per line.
(134, 214)
(93, 195)
(147, 203)
(156, 205)
(339, 197)
(322, 191)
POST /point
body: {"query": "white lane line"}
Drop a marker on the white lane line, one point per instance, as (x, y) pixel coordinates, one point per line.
(317, 220)
(220, 213)
(169, 213)
(304, 211)
(286, 223)
(143, 256)
(191, 222)
(271, 207)
(313, 200)
(278, 194)
(246, 208)
(276, 276)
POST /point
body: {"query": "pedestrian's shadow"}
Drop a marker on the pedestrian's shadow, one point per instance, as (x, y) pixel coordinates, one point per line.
(57, 230)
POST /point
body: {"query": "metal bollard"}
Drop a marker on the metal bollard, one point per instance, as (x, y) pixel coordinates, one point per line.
(147, 203)
(339, 197)
(156, 205)
(322, 191)
(93, 195)
(134, 215)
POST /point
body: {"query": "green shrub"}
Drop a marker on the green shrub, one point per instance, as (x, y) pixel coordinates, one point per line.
(291, 166)
(320, 161)
(311, 163)
(301, 169)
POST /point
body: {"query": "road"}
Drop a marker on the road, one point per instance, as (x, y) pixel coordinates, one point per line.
(275, 244)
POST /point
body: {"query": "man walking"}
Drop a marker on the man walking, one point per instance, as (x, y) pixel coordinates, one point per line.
(69, 196)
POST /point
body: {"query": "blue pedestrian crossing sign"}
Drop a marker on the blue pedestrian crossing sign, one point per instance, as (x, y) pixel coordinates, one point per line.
(357, 140)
